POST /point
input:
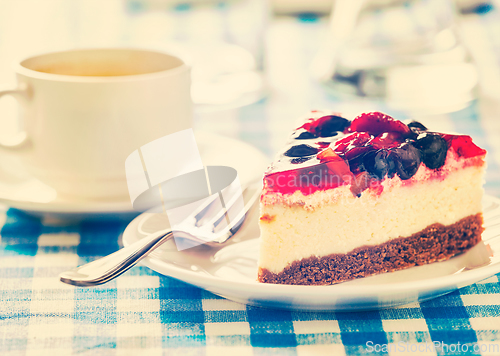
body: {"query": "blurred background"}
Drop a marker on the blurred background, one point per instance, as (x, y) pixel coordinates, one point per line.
(258, 65)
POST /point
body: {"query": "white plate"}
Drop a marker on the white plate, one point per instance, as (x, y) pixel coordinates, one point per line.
(231, 271)
(20, 190)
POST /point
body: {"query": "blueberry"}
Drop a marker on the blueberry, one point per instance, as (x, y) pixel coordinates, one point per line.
(380, 163)
(331, 125)
(299, 160)
(305, 135)
(301, 151)
(407, 160)
(417, 125)
(433, 149)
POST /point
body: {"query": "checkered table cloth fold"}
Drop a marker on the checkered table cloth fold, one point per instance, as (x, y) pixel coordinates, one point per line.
(144, 313)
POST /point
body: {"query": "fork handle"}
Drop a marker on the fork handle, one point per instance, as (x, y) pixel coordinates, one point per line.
(109, 267)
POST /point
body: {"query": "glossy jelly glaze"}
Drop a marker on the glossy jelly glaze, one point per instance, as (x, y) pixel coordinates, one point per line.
(328, 151)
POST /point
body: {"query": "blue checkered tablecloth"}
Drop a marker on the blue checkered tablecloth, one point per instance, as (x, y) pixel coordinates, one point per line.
(144, 313)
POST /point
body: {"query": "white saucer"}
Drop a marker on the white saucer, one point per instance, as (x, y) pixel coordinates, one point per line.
(231, 271)
(22, 191)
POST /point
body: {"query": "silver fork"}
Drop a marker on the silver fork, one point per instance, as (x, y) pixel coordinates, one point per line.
(201, 226)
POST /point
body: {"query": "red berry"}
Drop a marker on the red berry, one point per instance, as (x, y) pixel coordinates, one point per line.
(336, 165)
(356, 139)
(353, 145)
(376, 123)
(328, 155)
(463, 146)
(387, 140)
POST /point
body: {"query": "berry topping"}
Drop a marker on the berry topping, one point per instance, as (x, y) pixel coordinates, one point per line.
(417, 125)
(387, 140)
(362, 181)
(356, 139)
(362, 153)
(334, 162)
(407, 160)
(464, 146)
(299, 160)
(304, 135)
(328, 155)
(301, 151)
(376, 123)
(326, 175)
(327, 126)
(353, 145)
(433, 149)
(380, 163)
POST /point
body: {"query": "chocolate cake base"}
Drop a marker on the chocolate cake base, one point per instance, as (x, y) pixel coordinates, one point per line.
(435, 243)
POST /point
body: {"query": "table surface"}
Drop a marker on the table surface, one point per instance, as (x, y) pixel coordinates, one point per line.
(143, 312)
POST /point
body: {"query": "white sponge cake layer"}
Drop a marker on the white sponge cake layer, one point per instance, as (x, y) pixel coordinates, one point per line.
(335, 221)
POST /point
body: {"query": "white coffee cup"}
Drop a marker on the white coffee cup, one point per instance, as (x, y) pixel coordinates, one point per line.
(84, 111)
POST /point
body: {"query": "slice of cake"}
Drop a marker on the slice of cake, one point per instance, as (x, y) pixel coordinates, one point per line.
(346, 200)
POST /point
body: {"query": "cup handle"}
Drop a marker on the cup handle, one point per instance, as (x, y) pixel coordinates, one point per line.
(21, 138)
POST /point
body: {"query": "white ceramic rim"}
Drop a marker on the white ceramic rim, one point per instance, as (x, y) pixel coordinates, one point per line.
(184, 67)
